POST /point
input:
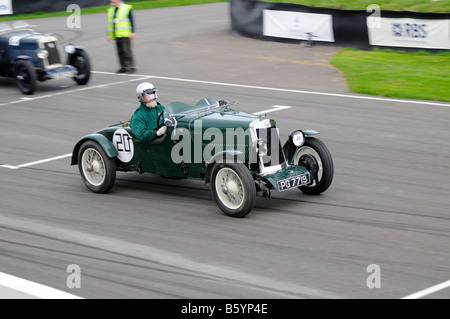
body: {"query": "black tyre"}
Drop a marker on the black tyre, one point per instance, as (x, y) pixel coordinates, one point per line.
(25, 76)
(97, 170)
(233, 189)
(80, 61)
(316, 158)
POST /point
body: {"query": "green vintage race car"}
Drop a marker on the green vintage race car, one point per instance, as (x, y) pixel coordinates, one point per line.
(238, 153)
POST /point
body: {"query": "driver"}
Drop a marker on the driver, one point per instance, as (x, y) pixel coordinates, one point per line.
(147, 122)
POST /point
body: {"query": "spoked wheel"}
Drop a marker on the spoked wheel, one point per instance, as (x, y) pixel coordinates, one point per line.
(80, 61)
(316, 158)
(25, 77)
(233, 189)
(97, 170)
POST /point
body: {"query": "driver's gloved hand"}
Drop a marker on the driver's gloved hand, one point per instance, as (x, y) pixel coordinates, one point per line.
(162, 130)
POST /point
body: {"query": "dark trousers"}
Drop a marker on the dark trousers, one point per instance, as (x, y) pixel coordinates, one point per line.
(124, 51)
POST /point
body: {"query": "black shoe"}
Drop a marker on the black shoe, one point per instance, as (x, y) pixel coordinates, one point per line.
(130, 71)
(122, 70)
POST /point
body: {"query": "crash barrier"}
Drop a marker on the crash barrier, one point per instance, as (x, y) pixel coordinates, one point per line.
(362, 29)
(13, 7)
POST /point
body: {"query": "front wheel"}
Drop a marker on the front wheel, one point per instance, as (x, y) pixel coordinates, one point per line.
(233, 189)
(97, 170)
(80, 61)
(25, 76)
(316, 158)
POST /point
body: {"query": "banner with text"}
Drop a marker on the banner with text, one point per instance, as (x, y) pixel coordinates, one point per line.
(406, 32)
(297, 25)
(5, 7)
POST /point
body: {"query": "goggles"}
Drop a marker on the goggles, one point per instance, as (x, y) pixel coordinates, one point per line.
(151, 90)
(151, 94)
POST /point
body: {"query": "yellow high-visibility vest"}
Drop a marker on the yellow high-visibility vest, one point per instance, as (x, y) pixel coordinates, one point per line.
(121, 24)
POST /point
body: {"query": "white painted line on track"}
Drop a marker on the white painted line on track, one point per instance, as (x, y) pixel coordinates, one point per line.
(137, 77)
(27, 99)
(34, 289)
(275, 109)
(362, 97)
(37, 162)
(309, 92)
(428, 291)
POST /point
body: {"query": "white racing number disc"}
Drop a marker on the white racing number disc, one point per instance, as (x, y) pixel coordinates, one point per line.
(123, 142)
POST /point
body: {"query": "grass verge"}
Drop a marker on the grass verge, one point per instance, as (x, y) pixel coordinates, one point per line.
(421, 75)
(442, 6)
(137, 5)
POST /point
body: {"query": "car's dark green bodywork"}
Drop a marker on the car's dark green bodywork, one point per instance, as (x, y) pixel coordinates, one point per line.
(197, 139)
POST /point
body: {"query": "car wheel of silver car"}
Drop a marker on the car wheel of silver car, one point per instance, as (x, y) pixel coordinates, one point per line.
(97, 170)
(316, 158)
(233, 188)
(25, 76)
(80, 61)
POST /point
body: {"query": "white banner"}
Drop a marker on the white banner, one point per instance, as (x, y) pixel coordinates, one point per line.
(6, 7)
(406, 32)
(297, 25)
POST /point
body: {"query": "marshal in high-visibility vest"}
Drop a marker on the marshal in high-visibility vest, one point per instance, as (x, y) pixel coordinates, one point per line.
(119, 26)
(121, 29)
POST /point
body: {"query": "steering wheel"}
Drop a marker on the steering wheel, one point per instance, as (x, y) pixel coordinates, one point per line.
(160, 120)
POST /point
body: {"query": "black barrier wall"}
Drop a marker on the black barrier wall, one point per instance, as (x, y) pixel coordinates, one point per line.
(349, 26)
(31, 6)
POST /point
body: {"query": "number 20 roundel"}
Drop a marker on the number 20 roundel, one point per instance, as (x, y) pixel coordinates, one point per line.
(123, 143)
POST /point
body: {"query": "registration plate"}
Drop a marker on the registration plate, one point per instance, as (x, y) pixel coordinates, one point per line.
(294, 181)
(62, 75)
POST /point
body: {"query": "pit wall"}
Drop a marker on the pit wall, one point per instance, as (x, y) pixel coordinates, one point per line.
(362, 29)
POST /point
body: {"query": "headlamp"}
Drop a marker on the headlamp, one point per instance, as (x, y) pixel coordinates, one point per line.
(297, 138)
(69, 48)
(42, 54)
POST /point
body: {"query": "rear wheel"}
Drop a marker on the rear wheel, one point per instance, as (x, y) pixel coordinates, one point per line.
(233, 189)
(80, 61)
(316, 158)
(25, 76)
(97, 170)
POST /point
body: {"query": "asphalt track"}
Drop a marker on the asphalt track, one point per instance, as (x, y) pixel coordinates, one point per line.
(387, 209)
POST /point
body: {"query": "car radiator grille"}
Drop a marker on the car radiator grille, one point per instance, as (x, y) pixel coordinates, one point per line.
(275, 155)
(53, 54)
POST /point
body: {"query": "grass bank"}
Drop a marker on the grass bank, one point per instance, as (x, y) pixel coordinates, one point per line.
(442, 6)
(137, 5)
(419, 75)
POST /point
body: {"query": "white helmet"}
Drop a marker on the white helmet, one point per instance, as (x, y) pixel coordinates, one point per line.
(146, 88)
